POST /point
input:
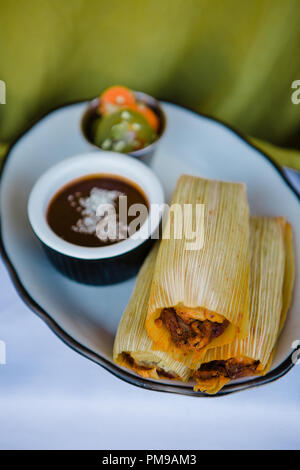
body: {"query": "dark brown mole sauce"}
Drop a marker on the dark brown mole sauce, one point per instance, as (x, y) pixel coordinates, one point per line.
(64, 210)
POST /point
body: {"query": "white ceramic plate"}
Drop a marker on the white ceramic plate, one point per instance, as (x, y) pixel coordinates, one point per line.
(85, 317)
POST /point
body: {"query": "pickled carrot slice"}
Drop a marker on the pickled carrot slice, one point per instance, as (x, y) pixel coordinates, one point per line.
(150, 116)
(116, 96)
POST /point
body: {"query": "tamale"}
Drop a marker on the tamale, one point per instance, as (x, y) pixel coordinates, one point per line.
(271, 282)
(200, 298)
(132, 346)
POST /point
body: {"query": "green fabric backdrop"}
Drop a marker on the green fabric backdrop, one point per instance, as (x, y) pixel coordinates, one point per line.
(233, 59)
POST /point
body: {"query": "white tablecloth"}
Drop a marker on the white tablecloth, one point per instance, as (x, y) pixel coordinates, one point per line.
(52, 398)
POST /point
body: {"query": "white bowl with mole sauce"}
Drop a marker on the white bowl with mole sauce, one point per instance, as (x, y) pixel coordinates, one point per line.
(77, 209)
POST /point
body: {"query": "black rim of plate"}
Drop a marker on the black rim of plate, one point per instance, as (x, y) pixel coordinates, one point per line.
(123, 374)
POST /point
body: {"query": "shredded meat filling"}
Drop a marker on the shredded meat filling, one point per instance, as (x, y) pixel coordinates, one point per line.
(188, 333)
(231, 368)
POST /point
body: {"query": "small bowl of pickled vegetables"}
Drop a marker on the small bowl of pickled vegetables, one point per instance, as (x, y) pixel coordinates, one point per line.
(125, 121)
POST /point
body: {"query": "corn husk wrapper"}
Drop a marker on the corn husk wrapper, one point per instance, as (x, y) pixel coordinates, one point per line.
(271, 283)
(213, 280)
(132, 340)
(289, 274)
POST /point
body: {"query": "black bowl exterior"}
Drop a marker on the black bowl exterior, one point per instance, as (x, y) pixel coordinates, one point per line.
(100, 272)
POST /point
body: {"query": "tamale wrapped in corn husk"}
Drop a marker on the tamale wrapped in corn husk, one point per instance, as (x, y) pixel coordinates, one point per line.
(271, 282)
(132, 346)
(200, 297)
